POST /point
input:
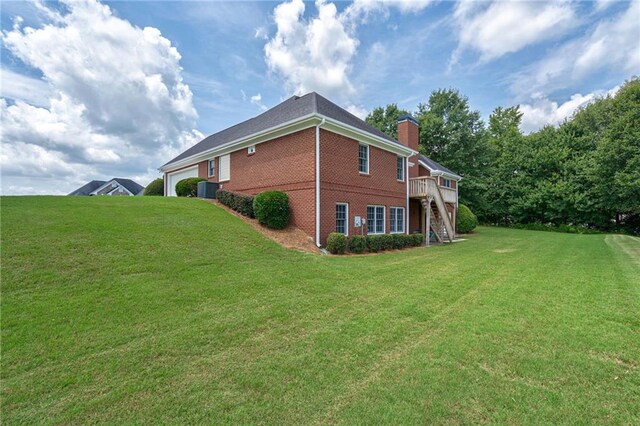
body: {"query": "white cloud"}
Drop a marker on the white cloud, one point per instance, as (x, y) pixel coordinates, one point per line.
(541, 111)
(21, 87)
(118, 105)
(359, 111)
(257, 100)
(498, 28)
(611, 45)
(312, 54)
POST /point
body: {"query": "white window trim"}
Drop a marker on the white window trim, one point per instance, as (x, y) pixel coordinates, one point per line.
(346, 219)
(213, 160)
(404, 225)
(403, 170)
(444, 179)
(384, 220)
(368, 158)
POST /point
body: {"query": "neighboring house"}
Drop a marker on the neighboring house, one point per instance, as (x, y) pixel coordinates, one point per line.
(341, 174)
(115, 186)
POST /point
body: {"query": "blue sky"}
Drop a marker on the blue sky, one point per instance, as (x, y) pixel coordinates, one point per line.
(118, 88)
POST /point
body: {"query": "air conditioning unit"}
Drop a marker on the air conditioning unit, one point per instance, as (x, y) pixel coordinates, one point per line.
(207, 189)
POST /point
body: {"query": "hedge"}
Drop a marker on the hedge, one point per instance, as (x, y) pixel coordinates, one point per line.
(241, 203)
(188, 187)
(467, 221)
(156, 187)
(373, 243)
(272, 209)
(336, 243)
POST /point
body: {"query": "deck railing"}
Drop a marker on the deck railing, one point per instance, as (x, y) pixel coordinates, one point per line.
(425, 186)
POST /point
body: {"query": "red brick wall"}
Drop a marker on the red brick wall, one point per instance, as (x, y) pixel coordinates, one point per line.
(286, 164)
(408, 135)
(342, 182)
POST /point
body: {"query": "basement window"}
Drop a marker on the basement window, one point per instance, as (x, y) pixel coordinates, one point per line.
(342, 214)
(375, 219)
(397, 220)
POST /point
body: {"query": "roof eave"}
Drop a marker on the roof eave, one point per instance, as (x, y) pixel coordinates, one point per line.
(438, 172)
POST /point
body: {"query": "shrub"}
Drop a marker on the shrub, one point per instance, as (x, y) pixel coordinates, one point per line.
(188, 187)
(401, 241)
(156, 187)
(387, 241)
(241, 203)
(416, 239)
(336, 243)
(357, 244)
(467, 221)
(374, 243)
(272, 209)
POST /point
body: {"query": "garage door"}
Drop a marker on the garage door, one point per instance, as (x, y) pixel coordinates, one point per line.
(176, 177)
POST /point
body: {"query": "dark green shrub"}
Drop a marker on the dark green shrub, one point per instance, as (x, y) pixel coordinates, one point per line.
(467, 221)
(387, 241)
(374, 243)
(336, 243)
(156, 187)
(357, 244)
(401, 241)
(241, 203)
(569, 229)
(188, 187)
(272, 209)
(416, 240)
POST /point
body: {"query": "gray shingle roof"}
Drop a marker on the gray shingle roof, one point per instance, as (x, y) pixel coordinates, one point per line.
(289, 110)
(436, 166)
(88, 188)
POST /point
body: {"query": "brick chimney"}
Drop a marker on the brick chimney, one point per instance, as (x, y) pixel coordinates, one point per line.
(408, 136)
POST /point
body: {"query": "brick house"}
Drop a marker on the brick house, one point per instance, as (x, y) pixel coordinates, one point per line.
(341, 174)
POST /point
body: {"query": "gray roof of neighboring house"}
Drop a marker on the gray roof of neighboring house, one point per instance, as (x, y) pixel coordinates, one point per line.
(436, 166)
(289, 110)
(88, 188)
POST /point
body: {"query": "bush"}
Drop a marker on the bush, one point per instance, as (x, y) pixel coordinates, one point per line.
(569, 229)
(156, 187)
(467, 221)
(357, 244)
(272, 209)
(416, 240)
(387, 241)
(374, 243)
(188, 187)
(241, 203)
(336, 243)
(401, 241)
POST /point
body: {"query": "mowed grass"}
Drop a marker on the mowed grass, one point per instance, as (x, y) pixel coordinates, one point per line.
(153, 310)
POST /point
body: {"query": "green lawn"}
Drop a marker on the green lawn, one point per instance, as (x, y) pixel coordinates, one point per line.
(173, 311)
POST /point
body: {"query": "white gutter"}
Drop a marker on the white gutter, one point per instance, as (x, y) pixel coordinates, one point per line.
(318, 183)
(406, 178)
(436, 172)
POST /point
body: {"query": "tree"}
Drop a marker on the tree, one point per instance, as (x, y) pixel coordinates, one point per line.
(452, 134)
(386, 119)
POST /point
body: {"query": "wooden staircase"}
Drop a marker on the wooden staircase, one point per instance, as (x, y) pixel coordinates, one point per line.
(431, 196)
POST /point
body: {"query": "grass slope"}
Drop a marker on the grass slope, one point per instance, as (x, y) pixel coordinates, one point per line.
(171, 310)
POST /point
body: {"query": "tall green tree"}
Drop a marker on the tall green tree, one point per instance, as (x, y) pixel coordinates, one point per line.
(386, 119)
(454, 135)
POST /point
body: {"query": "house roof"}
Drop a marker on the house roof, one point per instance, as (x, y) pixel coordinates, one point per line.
(88, 188)
(293, 108)
(436, 167)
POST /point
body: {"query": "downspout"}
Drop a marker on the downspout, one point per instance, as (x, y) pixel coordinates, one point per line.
(318, 182)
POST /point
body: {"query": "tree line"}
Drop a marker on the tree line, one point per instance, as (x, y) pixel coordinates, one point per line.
(584, 172)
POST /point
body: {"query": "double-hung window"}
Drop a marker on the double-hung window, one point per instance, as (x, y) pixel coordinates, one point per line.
(400, 168)
(363, 158)
(397, 220)
(211, 166)
(342, 218)
(446, 182)
(375, 219)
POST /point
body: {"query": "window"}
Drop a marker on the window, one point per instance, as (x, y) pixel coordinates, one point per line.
(342, 218)
(445, 182)
(212, 168)
(375, 219)
(251, 150)
(400, 168)
(397, 220)
(363, 158)
(225, 168)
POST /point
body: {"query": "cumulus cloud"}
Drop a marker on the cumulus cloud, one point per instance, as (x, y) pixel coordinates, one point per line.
(498, 28)
(541, 111)
(316, 54)
(611, 45)
(21, 87)
(117, 104)
(257, 100)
